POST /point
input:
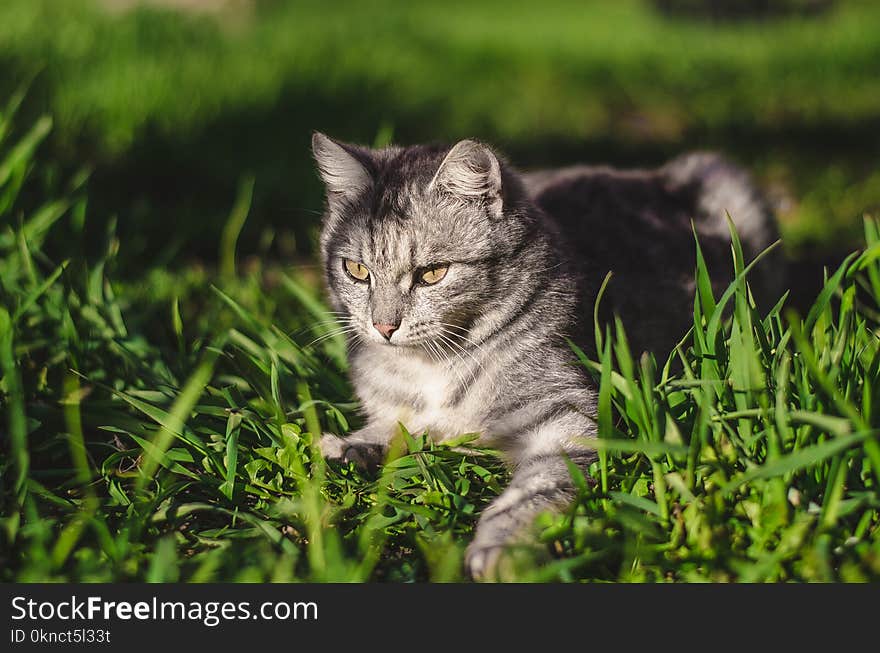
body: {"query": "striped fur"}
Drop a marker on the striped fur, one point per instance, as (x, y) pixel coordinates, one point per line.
(484, 350)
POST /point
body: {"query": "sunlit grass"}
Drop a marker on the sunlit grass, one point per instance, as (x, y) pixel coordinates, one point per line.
(166, 430)
(576, 75)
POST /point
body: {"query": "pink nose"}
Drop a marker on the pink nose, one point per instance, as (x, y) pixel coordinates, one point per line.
(386, 329)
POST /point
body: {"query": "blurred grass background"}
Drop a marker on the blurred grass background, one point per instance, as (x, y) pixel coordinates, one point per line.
(172, 102)
(164, 376)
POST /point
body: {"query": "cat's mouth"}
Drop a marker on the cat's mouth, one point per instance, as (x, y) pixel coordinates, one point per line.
(402, 343)
(393, 341)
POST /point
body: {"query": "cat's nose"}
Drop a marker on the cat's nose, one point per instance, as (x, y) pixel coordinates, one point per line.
(386, 329)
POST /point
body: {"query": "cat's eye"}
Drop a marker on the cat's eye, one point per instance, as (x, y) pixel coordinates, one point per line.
(357, 270)
(434, 274)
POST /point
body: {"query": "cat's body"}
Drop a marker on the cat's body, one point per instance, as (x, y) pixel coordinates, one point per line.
(458, 282)
(639, 224)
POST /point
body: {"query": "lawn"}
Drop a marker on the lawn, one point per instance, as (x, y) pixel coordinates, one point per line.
(160, 425)
(172, 110)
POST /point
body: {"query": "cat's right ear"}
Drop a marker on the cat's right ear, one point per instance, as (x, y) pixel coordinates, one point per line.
(344, 168)
(471, 170)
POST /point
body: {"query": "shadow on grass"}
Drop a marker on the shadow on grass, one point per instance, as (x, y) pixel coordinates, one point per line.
(172, 194)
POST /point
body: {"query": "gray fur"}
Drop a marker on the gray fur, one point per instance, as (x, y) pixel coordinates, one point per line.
(484, 351)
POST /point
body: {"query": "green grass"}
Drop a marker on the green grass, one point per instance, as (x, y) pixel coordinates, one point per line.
(154, 96)
(163, 429)
(115, 75)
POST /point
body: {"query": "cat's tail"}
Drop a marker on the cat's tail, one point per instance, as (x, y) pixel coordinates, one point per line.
(721, 187)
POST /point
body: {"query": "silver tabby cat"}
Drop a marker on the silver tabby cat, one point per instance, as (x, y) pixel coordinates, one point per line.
(458, 280)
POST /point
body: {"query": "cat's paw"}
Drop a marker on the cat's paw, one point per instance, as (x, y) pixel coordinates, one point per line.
(332, 446)
(366, 455)
(481, 562)
(502, 556)
(508, 562)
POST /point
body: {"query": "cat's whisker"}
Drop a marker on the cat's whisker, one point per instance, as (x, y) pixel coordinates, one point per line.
(474, 353)
(316, 325)
(318, 331)
(342, 317)
(322, 338)
(465, 379)
(446, 359)
(455, 349)
(475, 345)
(460, 335)
(454, 326)
(332, 334)
(356, 341)
(426, 348)
(441, 356)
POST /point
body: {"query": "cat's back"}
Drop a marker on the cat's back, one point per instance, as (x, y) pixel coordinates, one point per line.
(639, 224)
(589, 201)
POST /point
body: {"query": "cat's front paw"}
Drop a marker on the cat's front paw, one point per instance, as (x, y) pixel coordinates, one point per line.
(501, 553)
(506, 562)
(332, 446)
(481, 562)
(366, 455)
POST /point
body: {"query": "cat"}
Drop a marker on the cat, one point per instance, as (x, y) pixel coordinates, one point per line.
(458, 281)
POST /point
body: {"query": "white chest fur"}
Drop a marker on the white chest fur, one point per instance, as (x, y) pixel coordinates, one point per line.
(400, 386)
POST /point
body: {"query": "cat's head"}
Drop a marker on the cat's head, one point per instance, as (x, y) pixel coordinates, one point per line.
(418, 243)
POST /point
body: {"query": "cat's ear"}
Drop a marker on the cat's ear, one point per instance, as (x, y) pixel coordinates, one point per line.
(343, 167)
(472, 171)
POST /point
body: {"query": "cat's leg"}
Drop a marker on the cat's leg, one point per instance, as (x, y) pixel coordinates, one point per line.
(366, 447)
(541, 482)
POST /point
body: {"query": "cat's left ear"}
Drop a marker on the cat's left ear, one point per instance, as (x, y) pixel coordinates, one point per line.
(472, 171)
